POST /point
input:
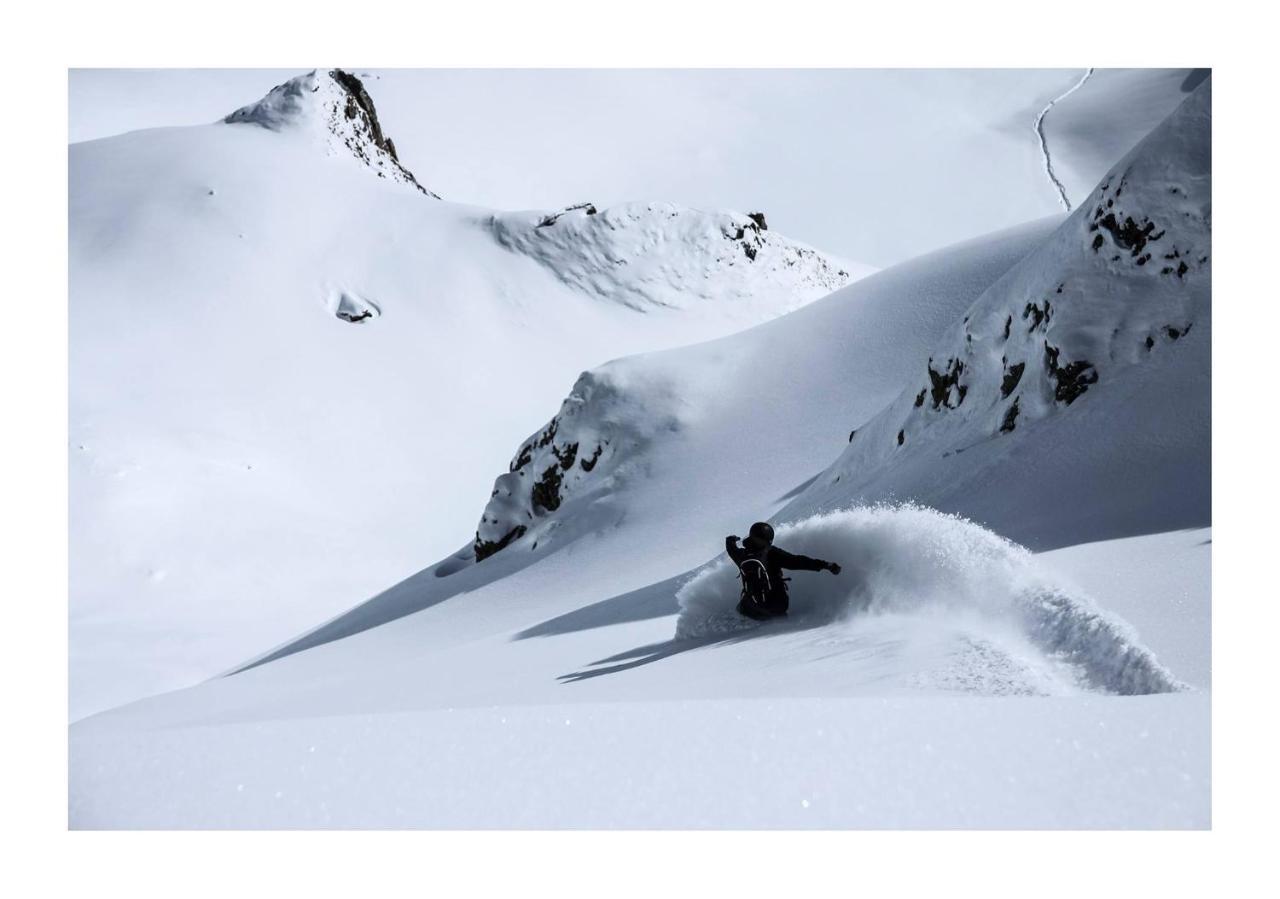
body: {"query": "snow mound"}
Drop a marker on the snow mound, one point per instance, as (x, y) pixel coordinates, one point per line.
(334, 106)
(910, 560)
(661, 255)
(350, 307)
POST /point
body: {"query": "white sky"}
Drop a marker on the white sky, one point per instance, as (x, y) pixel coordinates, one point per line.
(873, 165)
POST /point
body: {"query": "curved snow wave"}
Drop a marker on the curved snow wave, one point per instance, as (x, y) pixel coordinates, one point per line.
(908, 559)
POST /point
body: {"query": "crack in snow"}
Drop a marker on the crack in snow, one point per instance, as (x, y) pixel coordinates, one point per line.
(1038, 127)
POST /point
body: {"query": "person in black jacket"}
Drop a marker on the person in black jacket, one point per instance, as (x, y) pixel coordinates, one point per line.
(760, 563)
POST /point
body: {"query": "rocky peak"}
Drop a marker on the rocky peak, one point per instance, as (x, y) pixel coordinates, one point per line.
(335, 105)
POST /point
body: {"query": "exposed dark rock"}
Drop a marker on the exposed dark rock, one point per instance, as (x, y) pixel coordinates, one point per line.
(1071, 379)
(1010, 418)
(548, 220)
(750, 249)
(550, 433)
(920, 397)
(485, 548)
(1008, 324)
(942, 382)
(1012, 376)
(1150, 341)
(354, 316)
(545, 495)
(1128, 235)
(590, 463)
(1037, 315)
(758, 218)
(524, 458)
(358, 100)
(359, 108)
(851, 434)
(902, 436)
(567, 456)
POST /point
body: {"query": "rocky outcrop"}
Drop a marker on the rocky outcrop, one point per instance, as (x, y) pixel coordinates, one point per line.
(337, 107)
(1124, 279)
(659, 255)
(569, 465)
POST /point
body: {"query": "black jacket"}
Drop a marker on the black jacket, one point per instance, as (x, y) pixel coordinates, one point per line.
(775, 560)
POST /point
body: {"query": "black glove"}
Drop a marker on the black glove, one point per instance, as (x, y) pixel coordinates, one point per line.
(733, 539)
(833, 567)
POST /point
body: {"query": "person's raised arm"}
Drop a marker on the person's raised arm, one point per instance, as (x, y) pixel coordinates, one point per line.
(735, 551)
(797, 562)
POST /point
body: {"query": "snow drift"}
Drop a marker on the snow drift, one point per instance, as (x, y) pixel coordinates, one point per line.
(916, 561)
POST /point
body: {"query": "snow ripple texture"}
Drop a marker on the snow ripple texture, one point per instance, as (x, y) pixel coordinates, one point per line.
(916, 561)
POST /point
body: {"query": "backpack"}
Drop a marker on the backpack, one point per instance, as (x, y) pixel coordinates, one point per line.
(757, 587)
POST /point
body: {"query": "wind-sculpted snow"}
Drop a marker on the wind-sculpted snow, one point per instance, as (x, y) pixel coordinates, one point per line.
(661, 255)
(909, 560)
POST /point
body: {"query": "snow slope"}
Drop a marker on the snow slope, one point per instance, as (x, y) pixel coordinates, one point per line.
(449, 719)
(1079, 382)
(1106, 117)
(291, 378)
(584, 672)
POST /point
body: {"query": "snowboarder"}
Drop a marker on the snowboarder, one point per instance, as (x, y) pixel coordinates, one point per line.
(760, 565)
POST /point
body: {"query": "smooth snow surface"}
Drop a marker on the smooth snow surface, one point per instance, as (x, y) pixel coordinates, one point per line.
(492, 710)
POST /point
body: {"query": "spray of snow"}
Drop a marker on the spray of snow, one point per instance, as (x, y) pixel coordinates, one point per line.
(914, 561)
(1038, 127)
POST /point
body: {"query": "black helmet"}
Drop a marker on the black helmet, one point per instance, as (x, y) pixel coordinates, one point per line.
(762, 532)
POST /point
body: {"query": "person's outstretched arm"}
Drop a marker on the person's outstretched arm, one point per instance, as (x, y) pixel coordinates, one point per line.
(796, 562)
(735, 551)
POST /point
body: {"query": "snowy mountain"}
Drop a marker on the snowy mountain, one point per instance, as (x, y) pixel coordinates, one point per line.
(329, 365)
(1079, 382)
(1105, 117)
(578, 663)
(1113, 307)
(335, 108)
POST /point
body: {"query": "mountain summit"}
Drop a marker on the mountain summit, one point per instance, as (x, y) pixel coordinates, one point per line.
(337, 107)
